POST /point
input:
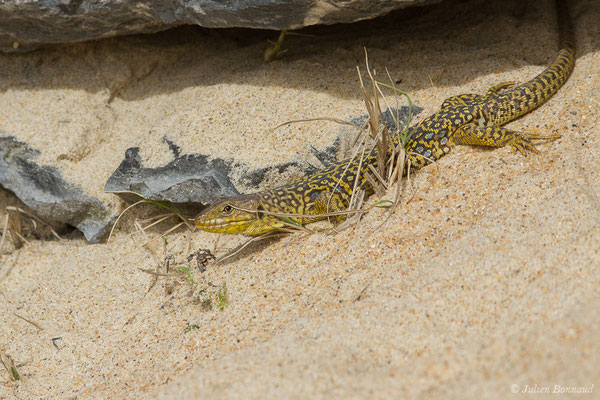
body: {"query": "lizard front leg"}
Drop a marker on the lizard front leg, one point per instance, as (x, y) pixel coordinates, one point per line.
(497, 136)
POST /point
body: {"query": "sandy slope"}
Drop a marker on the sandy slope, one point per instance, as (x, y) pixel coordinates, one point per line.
(488, 277)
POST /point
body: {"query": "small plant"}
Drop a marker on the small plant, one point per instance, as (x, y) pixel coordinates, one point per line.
(189, 278)
(216, 301)
(10, 366)
(191, 327)
(222, 298)
(274, 52)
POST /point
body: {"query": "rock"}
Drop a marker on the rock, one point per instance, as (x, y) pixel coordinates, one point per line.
(190, 181)
(43, 189)
(193, 181)
(186, 180)
(27, 24)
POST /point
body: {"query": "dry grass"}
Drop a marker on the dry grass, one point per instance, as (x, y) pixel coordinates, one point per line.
(174, 212)
(186, 271)
(19, 224)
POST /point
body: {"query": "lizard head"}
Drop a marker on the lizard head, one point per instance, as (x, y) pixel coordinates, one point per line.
(239, 214)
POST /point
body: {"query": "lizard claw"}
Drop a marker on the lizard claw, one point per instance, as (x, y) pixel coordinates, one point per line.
(522, 142)
(523, 145)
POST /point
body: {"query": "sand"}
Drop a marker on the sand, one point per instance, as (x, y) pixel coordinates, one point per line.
(482, 284)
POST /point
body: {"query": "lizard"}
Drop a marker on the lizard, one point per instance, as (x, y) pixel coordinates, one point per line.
(466, 119)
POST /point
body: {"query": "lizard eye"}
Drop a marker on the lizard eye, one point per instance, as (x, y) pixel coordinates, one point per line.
(227, 209)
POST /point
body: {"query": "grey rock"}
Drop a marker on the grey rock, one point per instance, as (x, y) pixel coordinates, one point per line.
(193, 181)
(326, 157)
(27, 24)
(403, 115)
(188, 179)
(43, 189)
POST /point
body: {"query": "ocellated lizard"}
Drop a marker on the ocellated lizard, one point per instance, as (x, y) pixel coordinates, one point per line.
(467, 119)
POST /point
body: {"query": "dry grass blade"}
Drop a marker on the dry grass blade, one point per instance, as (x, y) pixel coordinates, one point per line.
(18, 243)
(159, 236)
(4, 234)
(381, 183)
(368, 105)
(293, 226)
(35, 218)
(398, 171)
(241, 247)
(148, 271)
(153, 251)
(157, 219)
(362, 293)
(331, 119)
(356, 218)
(16, 223)
(400, 146)
(29, 321)
(171, 229)
(398, 167)
(162, 218)
(148, 244)
(163, 204)
(378, 189)
(391, 156)
(119, 218)
(358, 201)
(13, 227)
(362, 149)
(404, 134)
(381, 136)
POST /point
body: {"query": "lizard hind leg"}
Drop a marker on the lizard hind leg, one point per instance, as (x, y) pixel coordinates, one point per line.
(328, 203)
(497, 136)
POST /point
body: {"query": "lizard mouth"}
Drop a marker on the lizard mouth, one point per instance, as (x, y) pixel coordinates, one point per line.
(220, 224)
